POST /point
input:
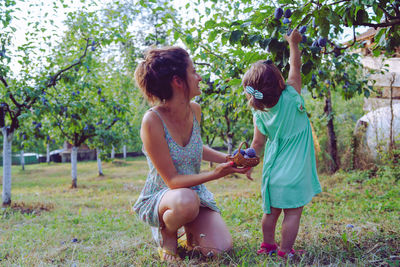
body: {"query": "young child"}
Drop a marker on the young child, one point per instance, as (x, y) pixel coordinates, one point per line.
(289, 176)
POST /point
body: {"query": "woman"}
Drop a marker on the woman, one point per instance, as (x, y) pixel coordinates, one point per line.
(174, 195)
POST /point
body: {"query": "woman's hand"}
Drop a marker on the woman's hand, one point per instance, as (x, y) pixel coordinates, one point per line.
(224, 169)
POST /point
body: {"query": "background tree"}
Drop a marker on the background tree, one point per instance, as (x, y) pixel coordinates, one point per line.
(20, 92)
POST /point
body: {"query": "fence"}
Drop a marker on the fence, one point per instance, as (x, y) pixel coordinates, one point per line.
(16, 159)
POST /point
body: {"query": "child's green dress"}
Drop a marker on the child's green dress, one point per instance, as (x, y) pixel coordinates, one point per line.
(289, 177)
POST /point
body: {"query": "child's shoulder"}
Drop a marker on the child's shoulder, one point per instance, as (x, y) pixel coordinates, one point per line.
(289, 89)
(293, 98)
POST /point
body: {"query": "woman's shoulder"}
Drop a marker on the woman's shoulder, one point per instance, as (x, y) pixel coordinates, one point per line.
(149, 115)
(151, 120)
(196, 109)
(195, 106)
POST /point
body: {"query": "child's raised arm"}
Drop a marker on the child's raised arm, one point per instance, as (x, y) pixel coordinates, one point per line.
(294, 78)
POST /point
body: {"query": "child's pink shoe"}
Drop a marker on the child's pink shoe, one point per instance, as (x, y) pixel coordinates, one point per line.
(268, 249)
(291, 253)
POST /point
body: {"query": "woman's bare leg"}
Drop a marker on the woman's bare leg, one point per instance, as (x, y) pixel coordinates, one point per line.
(177, 208)
(209, 233)
(269, 224)
(290, 228)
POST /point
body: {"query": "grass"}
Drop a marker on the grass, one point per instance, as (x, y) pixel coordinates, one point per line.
(353, 222)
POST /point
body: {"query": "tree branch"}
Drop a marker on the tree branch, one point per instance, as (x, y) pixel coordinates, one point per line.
(18, 105)
(337, 49)
(59, 126)
(386, 12)
(396, 9)
(202, 64)
(379, 25)
(212, 53)
(55, 78)
(4, 81)
(111, 125)
(338, 2)
(84, 137)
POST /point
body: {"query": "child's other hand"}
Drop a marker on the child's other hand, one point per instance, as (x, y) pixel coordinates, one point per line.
(248, 174)
(294, 37)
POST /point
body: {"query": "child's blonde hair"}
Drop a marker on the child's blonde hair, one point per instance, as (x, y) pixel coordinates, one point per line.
(265, 77)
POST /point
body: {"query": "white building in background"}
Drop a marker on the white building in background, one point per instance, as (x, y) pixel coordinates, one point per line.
(391, 77)
(382, 119)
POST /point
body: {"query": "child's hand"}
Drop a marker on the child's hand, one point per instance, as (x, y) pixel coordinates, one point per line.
(248, 174)
(294, 37)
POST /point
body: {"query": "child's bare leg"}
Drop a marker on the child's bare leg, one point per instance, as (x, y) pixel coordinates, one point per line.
(269, 225)
(290, 228)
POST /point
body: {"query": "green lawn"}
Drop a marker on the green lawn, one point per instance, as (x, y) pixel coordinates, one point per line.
(353, 222)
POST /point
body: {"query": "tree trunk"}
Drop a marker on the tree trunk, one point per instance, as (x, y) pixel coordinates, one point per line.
(48, 153)
(112, 152)
(332, 144)
(391, 139)
(230, 143)
(124, 151)
(22, 160)
(99, 167)
(74, 163)
(7, 141)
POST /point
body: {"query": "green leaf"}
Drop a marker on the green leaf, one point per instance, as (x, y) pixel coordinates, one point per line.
(235, 36)
(246, 24)
(235, 82)
(264, 43)
(209, 24)
(274, 46)
(307, 67)
(189, 39)
(254, 38)
(361, 16)
(212, 36)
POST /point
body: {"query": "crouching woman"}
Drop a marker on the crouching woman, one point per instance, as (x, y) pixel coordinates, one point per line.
(174, 195)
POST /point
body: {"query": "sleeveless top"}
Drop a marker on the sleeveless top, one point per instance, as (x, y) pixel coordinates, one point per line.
(187, 160)
(289, 177)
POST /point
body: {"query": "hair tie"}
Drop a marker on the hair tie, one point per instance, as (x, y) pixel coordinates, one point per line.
(268, 62)
(257, 94)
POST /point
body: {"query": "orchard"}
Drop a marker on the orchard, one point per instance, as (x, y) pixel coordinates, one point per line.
(75, 84)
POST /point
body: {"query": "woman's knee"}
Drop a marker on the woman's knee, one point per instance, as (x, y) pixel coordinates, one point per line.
(224, 245)
(186, 203)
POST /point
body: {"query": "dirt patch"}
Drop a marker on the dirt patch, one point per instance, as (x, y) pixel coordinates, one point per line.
(31, 208)
(120, 162)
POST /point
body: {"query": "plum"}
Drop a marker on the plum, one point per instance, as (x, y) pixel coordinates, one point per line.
(278, 13)
(250, 152)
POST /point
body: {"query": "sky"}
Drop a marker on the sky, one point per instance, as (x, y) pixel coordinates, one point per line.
(35, 10)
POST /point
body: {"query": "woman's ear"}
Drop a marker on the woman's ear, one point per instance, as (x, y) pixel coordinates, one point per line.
(177, 81)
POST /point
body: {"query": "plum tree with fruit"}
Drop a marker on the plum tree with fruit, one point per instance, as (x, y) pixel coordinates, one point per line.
(231, 35)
